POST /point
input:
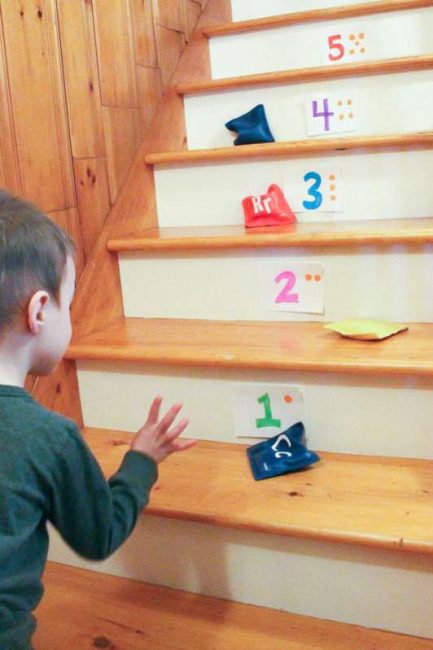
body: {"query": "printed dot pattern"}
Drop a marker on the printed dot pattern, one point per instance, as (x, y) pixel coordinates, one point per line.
(357, 42)
(346, 108)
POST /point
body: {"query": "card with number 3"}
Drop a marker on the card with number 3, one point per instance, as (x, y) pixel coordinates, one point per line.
(292, 287)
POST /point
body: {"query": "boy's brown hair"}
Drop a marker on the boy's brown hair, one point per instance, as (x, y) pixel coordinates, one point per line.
(33, 254)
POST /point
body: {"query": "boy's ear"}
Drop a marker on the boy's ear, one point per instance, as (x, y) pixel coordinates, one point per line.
(36, 311)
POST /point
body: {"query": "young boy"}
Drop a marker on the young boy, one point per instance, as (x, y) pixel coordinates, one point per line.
(47, 472)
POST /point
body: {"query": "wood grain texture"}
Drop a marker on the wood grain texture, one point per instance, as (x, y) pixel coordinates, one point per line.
(98, 298)
(145, 33)
(80, 68)
(353, 499)
(69, 221)
(171, 44)
(302, 75)
(255, 344)
(9, 168)
(331, 234)
(122, 138)
(401, 142)
(59, 391)
(34, 66)
(316, 15)
(132, 615)
(192, 14)
(150, 91)
(93, 199)
(113, 23)
(170, 14)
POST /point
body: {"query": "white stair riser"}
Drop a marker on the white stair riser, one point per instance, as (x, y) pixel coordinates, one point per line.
(391, 283)
(390, 185)
(350, 413)
(250, 9)
(360, 585)
(405, 106)
(389, 35)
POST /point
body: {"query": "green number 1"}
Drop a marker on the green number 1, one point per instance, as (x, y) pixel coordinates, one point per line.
(268, 420)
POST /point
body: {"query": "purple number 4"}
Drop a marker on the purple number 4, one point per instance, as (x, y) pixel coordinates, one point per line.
(326, 114)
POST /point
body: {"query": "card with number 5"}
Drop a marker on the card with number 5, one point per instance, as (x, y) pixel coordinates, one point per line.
(292, 287)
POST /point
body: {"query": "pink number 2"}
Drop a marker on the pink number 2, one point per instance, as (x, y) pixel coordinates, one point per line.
(285, 295)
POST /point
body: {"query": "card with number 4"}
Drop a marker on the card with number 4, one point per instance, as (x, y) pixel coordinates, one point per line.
(328, 114)
(292, 287)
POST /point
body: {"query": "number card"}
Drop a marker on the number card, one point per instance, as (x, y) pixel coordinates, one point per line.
(326, 114)
(263, 411)
(345, 47)
(292, 287)
(318, 190)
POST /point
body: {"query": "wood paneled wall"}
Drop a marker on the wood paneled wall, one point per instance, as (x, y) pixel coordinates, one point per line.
(80, 81)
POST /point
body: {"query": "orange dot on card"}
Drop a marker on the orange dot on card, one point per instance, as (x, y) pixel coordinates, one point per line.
(350, 115)
(361, 35)
(332, 177)
(356, 42)
(362, 50)
(332, 188)
(308, 277)
(352, 37)
(341, 117)
(333, 197)
(288, 399)
(349, 102)
(352, 51)
(317, 278)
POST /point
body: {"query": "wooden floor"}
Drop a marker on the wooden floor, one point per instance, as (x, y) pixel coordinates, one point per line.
(83, 610)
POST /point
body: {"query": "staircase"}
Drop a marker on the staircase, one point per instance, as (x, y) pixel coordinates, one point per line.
(350, 540)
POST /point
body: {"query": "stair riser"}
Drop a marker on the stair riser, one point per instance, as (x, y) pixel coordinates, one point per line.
(391, 283)
(250, 9)
(352, 413)
(372, 186)
(408, 33)
(379, 589)
(405, 106)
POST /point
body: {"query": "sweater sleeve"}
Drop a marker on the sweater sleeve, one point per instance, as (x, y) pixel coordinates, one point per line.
(92, 515)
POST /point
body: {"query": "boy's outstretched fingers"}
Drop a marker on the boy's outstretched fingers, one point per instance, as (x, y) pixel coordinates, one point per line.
(157, 438)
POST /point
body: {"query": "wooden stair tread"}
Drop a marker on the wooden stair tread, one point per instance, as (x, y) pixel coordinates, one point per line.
(353, 499)
(315, 15)
(365, 68)
(423, 140)
(253, 344)
(383, 231)
(134, 615)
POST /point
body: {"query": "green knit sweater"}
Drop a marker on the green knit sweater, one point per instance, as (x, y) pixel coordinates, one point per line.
(48, 473)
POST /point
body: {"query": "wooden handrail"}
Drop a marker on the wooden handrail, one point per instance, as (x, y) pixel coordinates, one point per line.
(315, 15)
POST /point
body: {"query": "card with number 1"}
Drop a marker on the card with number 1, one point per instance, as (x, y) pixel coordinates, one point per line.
(263, 410)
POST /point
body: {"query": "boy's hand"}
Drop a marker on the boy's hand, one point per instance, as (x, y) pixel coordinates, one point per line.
(155, 439)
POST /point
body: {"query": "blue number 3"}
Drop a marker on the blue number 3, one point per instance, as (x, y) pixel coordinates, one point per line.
(317, 200)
